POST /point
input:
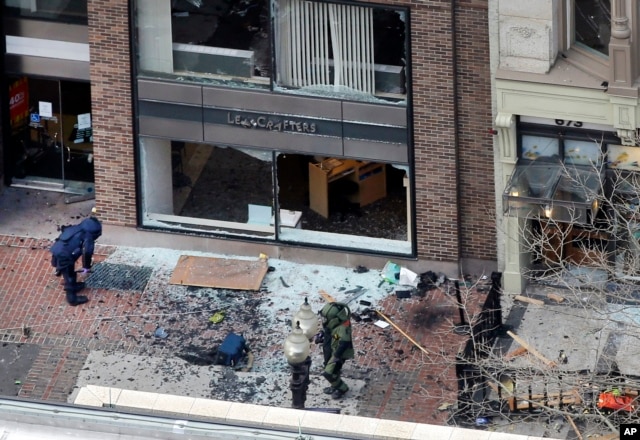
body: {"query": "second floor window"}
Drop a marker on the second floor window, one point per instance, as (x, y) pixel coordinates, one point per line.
(62, 11)
(592, 30)
(308, 47)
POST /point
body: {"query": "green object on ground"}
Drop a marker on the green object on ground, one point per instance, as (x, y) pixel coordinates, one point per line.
(217, 317)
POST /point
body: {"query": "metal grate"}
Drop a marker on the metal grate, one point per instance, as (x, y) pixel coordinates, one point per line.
(118, 277)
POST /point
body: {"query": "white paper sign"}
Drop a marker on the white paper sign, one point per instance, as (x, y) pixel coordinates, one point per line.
(84, 121)
(408, 278)
(45, 109)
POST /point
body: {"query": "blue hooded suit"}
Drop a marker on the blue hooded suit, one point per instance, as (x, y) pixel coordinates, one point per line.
(75, 242)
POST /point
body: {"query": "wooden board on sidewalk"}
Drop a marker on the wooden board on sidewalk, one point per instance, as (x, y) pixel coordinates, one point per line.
(222, 273)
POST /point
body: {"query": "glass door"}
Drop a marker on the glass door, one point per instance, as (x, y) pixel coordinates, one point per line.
(51, 140)
(77, 138)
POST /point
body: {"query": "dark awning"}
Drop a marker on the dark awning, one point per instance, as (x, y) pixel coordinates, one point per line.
(551, 189)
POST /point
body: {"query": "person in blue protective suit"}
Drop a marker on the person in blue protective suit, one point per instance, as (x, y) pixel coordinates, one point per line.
(337, 346)
(74, 242)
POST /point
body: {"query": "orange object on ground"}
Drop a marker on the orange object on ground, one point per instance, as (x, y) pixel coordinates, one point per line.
(608, 400)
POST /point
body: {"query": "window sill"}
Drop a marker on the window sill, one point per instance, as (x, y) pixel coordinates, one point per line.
(590, 63)
(563, 73)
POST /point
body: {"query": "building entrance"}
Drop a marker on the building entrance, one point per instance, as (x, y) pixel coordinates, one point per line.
(51, 142)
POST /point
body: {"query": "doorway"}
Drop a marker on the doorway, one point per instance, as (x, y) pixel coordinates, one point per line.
(51, 141)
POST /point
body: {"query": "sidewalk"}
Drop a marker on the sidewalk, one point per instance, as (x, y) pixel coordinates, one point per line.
(110, 341)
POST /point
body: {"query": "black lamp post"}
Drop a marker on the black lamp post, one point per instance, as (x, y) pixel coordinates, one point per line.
(296, 350)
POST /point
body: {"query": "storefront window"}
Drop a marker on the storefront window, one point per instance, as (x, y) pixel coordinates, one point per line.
(231, 191)
(322, 49)
(534, 147)
(64, 11)
(582, 152)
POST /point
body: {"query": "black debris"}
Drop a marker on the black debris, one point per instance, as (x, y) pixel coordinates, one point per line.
(400, 294)
(360, 269)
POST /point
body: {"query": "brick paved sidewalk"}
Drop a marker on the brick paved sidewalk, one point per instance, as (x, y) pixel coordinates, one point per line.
(403, 382)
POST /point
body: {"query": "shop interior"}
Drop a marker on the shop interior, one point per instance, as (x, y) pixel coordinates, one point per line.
(609, 241)
(51, 140)
(334, 195)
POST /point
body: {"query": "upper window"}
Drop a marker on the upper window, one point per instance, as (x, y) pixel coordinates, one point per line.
(592, 30)
(65, 11)
(309, 47)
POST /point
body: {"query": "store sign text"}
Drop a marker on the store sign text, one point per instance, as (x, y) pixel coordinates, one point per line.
(267, 123)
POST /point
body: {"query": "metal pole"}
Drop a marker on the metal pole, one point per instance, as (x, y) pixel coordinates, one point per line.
(299, 383)
(462, 327)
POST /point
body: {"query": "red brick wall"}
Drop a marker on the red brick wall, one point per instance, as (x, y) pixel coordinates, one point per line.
(112, 111)
(476, 165)
(434, 131)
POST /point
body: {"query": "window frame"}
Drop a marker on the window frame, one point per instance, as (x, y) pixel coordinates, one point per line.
(395, 90)
(574, 52)
(16, 12)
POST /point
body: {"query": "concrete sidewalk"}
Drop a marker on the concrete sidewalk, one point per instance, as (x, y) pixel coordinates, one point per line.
(390, 377)
(50, 350)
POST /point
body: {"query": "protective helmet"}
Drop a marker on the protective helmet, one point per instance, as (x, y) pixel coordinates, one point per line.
(334, 314)
(93, 226)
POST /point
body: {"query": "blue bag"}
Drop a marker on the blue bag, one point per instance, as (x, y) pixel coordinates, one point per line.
(232, 350)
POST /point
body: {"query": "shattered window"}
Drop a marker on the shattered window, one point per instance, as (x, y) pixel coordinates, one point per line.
(205, 40)
(353, 47)
(295, 198)
(62, 11)
(320, 48)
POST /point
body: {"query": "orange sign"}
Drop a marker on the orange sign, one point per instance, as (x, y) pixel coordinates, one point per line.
(19, 102)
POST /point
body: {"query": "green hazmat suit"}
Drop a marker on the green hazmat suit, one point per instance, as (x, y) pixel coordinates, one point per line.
(337, 346)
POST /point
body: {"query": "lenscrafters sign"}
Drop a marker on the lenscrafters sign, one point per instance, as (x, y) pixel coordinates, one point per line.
(271, 123)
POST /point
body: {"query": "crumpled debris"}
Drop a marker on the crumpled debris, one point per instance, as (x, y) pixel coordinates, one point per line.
(161, 333)
(408, 278)
(217, 317)
(391, 272)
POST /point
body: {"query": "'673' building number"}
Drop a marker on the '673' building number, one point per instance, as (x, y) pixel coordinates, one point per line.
(568, 123)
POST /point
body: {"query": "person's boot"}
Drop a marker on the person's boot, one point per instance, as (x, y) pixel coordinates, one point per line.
(80, 299)
(328, 390)
(75, 300)
(337, 394)
(77, 287)
(71, 296)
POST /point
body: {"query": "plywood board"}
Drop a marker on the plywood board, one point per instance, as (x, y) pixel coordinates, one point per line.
(222, 273)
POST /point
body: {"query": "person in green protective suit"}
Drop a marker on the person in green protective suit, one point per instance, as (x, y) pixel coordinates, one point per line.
(337, 346)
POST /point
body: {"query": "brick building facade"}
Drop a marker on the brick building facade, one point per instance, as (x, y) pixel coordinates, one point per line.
(566, 103)
(449, 161)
